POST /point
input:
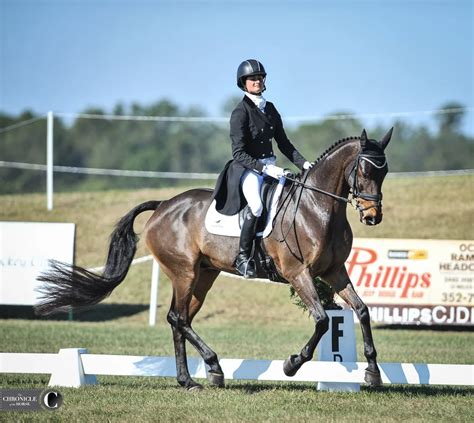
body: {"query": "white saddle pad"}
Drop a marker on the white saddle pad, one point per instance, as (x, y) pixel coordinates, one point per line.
(220, 224)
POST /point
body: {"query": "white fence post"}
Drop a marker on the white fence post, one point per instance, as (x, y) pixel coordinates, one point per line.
(155, 276)
(69, 370)
(49, 160)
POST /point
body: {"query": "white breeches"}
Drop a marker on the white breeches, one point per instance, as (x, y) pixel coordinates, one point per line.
(251, 185)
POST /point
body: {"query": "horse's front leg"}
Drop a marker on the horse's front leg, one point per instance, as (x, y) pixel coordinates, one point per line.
(304, 286)
(343, 286)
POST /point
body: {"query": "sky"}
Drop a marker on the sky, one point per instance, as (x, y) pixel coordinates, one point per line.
(357, 56)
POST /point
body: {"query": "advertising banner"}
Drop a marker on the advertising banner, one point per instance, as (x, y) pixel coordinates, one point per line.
(414, 281)
(25, 248)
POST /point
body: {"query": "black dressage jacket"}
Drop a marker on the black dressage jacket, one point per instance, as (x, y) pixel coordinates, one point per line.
(251, 133)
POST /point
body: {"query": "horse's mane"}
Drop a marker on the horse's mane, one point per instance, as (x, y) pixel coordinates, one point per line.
(329, 150)
(335, 146)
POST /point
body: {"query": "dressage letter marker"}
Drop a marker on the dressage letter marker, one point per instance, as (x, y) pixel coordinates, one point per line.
(338, 344)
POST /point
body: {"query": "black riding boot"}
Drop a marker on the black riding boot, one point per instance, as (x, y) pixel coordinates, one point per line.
(244, 263)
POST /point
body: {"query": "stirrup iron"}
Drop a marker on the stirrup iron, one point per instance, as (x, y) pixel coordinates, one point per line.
(246, 267)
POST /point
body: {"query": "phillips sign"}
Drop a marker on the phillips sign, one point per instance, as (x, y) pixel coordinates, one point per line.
(414, 281)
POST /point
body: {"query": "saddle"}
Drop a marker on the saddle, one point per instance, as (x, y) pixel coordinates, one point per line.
(220, 224)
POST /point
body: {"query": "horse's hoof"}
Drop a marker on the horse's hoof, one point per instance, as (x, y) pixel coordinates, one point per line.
(373, 378)
(216, 379)
(194, 387)
(289, 366)
(190, 385)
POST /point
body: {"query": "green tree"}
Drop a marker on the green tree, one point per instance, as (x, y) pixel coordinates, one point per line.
(450, 117)
(199, 146)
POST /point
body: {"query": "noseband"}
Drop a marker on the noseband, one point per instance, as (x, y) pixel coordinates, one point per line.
(355, 193)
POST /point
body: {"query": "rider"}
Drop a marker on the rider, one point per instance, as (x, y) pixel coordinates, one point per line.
(253, 124)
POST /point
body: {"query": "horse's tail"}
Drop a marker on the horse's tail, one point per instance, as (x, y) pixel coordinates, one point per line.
(67, 285)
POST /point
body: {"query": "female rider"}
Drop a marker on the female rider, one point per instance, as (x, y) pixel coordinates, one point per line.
(254, 123)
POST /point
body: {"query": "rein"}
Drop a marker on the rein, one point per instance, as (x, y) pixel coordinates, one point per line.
(316, 189)
(354, 191)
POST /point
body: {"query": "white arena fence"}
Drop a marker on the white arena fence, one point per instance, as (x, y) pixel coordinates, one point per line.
(75, 367)
(50, 168)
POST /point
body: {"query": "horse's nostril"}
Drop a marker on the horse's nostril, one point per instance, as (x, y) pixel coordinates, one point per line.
(370, 220)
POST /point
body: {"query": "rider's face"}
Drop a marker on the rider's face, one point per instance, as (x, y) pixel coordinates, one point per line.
(254, 84)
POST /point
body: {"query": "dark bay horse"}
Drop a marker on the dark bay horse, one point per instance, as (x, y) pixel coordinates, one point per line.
(312, 238)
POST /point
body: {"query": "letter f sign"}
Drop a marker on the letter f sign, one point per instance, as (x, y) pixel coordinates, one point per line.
(336, 332)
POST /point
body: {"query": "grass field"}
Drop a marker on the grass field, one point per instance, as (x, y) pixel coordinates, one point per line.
(240, 319)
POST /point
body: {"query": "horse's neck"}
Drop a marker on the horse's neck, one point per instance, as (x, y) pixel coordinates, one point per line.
(329, 172)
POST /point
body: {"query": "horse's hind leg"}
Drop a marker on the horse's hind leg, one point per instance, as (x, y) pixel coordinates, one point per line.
(182, 372)
(187, 300)
(346, 291)
(203, 285)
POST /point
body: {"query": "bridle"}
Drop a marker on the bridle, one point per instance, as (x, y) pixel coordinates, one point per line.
(354, 193)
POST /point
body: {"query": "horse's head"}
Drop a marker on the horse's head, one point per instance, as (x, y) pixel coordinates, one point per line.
(366, 177)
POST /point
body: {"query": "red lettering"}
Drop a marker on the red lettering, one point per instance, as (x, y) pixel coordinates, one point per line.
(425, 280)
(411, 282)
(402, 276)
(387, 294)
(394, 277)
(383, 277)
(360, 257)
(388, 270)
(377, 276)
(365, 277)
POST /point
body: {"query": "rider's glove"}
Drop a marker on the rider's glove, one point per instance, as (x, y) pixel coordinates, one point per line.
(273, 171)
(307, 165)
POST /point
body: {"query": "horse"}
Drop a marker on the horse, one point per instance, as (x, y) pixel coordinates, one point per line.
(311, 238)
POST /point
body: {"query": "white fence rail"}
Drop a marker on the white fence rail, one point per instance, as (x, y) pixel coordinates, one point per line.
(74, 367)
(50, 168)
(190, 175)
(111, 172)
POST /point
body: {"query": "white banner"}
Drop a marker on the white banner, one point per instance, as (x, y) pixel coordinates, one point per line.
(25, 248)
(414, 280)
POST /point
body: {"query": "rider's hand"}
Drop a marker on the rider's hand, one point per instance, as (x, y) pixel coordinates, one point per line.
(273, 171)
(307, 165)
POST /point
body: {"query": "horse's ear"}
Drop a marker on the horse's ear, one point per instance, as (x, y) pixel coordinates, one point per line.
(363, 138)
(386, 139)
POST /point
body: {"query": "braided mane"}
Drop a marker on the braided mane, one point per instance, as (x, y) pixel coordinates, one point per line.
(329, 150)
(333, 147)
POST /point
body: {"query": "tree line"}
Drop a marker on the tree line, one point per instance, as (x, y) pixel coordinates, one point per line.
(202, 147)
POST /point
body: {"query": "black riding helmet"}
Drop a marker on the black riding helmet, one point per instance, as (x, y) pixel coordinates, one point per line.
(248, 68)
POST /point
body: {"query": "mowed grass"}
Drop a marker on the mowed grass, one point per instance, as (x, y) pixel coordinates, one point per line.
(241, 319)
(159, 399)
